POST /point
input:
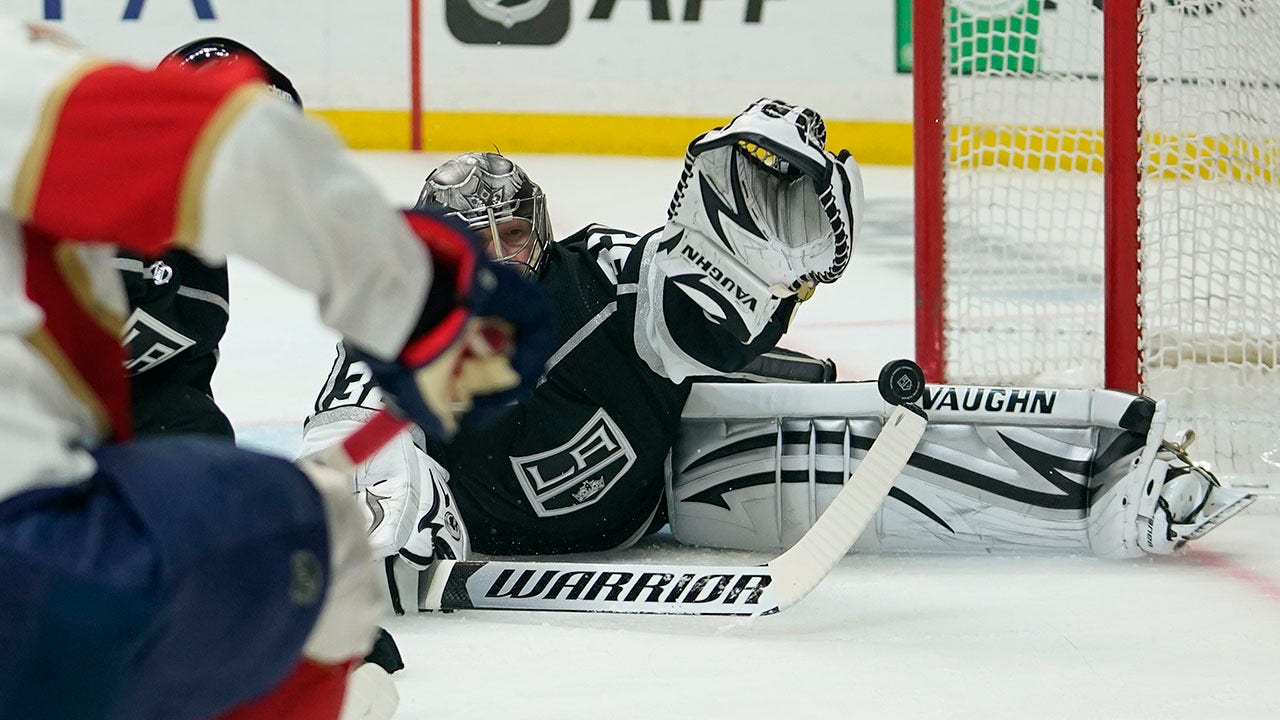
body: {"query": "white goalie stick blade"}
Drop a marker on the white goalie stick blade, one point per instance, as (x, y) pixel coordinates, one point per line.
(689, 589)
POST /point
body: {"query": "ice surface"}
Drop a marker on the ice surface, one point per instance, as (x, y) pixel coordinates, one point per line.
(1197, 636)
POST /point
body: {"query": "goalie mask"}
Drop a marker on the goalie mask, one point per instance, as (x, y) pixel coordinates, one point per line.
(761, 215)
(494, 197)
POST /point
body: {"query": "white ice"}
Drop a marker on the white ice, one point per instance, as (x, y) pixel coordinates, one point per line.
(1194, 636)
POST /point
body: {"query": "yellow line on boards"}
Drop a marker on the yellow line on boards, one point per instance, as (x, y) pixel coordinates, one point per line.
(1170, 156)
(873, 143)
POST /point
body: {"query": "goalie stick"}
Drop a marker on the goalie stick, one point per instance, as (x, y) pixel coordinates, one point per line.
(684, 589)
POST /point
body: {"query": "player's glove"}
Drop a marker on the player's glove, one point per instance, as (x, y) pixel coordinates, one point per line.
(762, 214)
(792, 234)
(482, 340)
(411, 510)
(413, 517)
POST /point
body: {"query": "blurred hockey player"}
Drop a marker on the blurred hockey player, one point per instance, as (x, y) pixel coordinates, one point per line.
(762, 214)
(179, 305)
(184, 578)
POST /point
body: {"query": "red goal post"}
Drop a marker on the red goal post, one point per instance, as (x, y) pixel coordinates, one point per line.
(1098, 203)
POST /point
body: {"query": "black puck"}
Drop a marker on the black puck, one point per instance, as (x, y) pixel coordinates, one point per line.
(901, 382)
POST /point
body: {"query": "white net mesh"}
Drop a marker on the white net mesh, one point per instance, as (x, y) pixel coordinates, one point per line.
(1024, 198)
(1210, 222)
(1024, 208)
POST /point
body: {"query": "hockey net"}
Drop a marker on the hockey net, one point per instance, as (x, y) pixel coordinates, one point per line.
(1057, 245)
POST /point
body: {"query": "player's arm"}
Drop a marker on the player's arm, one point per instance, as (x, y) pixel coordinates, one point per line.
(403, 491)
(783, 365)
(221, 167)
(410, 514)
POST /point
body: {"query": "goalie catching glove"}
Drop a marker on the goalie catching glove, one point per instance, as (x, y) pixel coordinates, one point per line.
(481, 341)
(796, 207)
(761, 215)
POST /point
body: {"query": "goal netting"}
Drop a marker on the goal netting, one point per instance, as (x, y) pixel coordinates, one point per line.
(1060, 246)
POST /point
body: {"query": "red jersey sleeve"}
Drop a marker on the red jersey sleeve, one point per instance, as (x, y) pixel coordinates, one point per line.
(123, 153)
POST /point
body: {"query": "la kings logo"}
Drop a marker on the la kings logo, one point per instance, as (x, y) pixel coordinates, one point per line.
(577, 473)
(150, 342)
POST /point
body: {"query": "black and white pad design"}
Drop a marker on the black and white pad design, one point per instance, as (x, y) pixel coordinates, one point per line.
(761, 211)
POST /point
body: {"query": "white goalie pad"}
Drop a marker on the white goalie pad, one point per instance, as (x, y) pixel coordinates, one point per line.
(998, 469)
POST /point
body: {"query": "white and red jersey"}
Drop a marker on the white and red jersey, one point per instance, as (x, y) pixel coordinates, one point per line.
(96, 155)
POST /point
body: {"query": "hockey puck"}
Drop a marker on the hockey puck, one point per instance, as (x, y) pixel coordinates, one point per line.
(901, 382)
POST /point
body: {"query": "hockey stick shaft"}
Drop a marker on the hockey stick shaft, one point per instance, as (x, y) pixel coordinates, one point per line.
(801, 567)
(685, 589)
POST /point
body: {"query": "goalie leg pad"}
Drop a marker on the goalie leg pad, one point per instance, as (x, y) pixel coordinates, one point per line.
(999, 469)
(1167, 501)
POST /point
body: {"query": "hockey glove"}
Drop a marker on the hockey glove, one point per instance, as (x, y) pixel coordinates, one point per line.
(481, 341)
(791, 215)
(762, 214)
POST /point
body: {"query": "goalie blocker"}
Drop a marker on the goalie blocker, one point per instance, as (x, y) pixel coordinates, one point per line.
(999, 468)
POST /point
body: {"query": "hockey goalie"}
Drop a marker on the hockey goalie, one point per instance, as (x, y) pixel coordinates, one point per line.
(763, 213)
(635, 424)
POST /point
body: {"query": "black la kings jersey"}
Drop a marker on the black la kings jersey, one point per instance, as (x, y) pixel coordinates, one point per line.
(178, 315)
(578, 466)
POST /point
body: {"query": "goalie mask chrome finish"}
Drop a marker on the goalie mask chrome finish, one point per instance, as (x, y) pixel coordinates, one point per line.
(496, 198)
